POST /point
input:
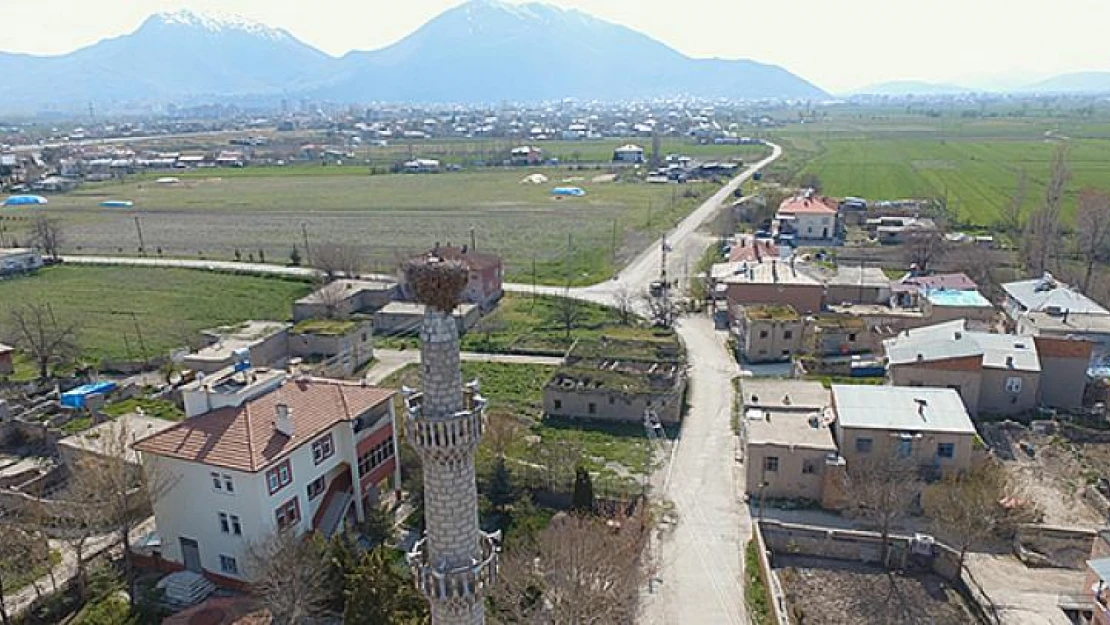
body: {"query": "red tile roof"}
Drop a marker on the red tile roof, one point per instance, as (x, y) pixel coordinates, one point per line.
(244, 438)
(746, 250)
(816, 205)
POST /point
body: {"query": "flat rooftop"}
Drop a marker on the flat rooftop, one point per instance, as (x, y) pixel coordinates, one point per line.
(1075, 322)
(414, 308)
(790, 428)
(244, 336)
(771, 272)
(344, 289)
(771, 312)
(104, 439)
(901, 408)
(784, 393)
(868, 277)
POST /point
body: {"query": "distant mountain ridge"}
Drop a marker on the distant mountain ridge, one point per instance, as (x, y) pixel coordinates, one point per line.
(483, 50)
(910, 87)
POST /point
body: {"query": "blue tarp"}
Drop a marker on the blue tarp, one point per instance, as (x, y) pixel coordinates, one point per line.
(571, 191)
(117, 203)
(25, 200)
(76, 398)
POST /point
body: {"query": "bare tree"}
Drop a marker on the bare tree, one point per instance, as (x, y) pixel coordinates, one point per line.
(1092, 232)
(20, 551)
(625, 301)
(925, 248)
(83, 519)
(121, 489)
(292, 577)
(338, 260)
(1043, 227)
(331, 296)
(881, 489)
(1010, 219)
(569, 312)
(581, 571)
(967, 508)
(46, 235)
(976, 261)
(491, 324)
(35, 330)
(811, 181)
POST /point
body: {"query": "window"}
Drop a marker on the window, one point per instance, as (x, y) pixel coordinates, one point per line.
(558, 404)
(279, 477)
(788, 334)
(315, 487)
(375, 457)
(762, 334)
(591, 408)
(809, 466)
(228, 564)
(1013, 385)
(771, 463)
(229, 524)
(222, 482)
(288, 514)
(905, 447)
(323, 448)
(863, 445)
(852, 337)
(946, 450)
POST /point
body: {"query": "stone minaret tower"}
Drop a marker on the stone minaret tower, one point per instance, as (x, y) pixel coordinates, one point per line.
(455, 562)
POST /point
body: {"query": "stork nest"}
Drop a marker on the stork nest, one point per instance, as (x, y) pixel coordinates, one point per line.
(437, 282)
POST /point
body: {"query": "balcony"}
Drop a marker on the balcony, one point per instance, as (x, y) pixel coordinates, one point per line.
(445, 435)
(463, 582)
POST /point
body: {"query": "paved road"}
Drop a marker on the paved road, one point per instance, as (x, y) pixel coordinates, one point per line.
(700, 564)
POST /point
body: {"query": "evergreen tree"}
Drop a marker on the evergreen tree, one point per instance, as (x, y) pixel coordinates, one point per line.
(295, 257)
(582, 501)
(501, 491)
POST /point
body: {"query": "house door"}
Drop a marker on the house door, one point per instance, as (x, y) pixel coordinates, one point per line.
(190, 553)
(824, 233)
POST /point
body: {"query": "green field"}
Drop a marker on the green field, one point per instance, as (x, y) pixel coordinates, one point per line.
(113, 306)
(264, 212)
(516, 390)
(971, 163)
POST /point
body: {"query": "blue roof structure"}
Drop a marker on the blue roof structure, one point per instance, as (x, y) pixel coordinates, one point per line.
(568, 191)
(949, 297)
(75, 398)
(25, 200)
(117, 203)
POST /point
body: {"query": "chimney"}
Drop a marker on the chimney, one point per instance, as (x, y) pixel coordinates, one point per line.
(959, 335)
(1009, 362)
(1066, 311)
(774, 270)
(921, 403)
(283, 419)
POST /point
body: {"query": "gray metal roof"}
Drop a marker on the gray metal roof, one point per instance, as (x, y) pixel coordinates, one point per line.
(1042, 293)
(940, 342)
(901, 408)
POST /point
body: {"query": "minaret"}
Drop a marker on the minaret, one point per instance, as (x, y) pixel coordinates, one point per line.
(455, 562)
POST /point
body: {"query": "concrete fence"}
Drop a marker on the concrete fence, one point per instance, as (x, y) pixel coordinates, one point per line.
(777, 537)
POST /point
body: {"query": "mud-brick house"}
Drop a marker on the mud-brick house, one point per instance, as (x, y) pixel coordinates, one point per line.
(619, 380)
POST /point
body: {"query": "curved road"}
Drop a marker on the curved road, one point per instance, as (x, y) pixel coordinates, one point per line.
(700, 563)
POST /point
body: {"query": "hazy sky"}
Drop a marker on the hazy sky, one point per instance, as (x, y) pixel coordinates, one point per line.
(837, 44)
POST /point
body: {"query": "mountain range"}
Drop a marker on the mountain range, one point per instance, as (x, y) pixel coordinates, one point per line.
(481, 51)
(1072, 83)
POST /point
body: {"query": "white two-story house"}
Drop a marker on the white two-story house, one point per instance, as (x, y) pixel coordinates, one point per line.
(260, 451)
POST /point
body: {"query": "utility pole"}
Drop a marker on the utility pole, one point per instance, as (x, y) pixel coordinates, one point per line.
(304, 235)
(139, 229)
(613, 243)
(569, 240)
(139, 333)
(473, 240)
(666, 286)
(533, 281)
(649, 214)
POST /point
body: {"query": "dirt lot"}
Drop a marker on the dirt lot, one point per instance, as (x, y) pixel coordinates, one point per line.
(1054, 476)
(835, 592)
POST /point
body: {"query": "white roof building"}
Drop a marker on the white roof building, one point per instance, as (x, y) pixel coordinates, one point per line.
(901, 409)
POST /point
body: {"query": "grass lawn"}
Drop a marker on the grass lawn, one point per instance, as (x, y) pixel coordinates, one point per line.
(157, 408)
(517, 390)
(112, 306)
(261, 211)
(518, 325)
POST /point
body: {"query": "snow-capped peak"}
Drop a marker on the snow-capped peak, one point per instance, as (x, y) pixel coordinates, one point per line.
(219, 22)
